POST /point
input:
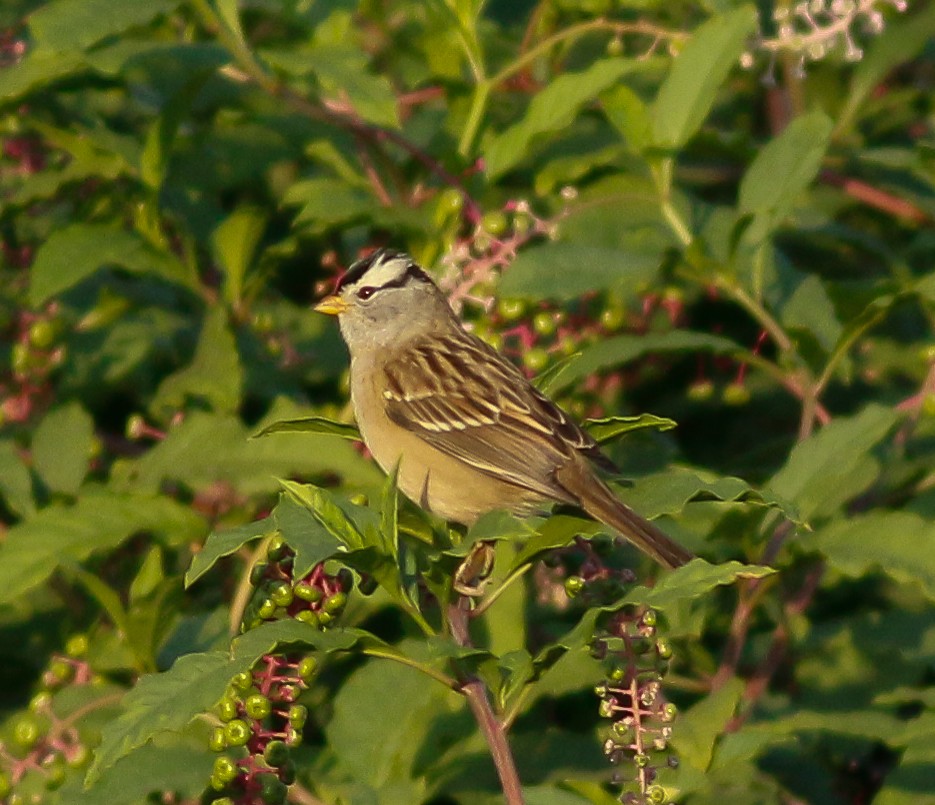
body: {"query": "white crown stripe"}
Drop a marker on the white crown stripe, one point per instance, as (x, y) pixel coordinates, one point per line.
(386, 270)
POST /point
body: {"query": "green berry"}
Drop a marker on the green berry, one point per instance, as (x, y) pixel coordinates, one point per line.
(335, 603)
(544, 323)
(309, 617)
(55, 770)
(42, 333)
(62, 670)
(669, 711)
(258, 706)
(649, 617)
(735, 394)
(21, 358)
(307, 668)
(612, 318)
(298, 715)
(536, 359)
(281, 594)
(511, 309)
(277, 548)
(664, 649)
(574, 585)
(272, 789)
(495, 223)
(228, 709)
(276, 753)
(293, 736)
(656, 794)
(701, 391)
(242, 681)
(287, 772)
(41, 702)
(224, 770)
(307, 592)
(450, 201)
(238, 732)
(218, 740)
(78, 756)
(77, 646)
(6, 785)
(27, 730)
(267, 610)
(258, 573)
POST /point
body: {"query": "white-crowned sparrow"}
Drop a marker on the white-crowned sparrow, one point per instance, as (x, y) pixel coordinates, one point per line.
(469, 432)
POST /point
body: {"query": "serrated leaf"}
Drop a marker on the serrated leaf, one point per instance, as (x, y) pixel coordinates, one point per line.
(613, 427)
(565, 270)
(897, 543)
(74, 253)
(621, 349)
(224, 543)
(553, 109)
(99, 520)
(311, 424)
(689, 91)
(61, 447)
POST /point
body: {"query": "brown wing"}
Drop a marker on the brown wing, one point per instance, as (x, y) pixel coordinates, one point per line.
(468, 401)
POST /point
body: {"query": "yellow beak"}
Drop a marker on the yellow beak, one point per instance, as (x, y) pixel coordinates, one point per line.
(332, 305)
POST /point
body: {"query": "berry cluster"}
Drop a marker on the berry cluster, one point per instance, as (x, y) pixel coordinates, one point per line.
(317, 598)
(260, 720)
(35, 353)
(632, 697)
(41, 747)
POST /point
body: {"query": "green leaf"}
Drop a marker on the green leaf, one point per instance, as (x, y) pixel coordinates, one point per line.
(225, 543)
(782, 170)
(897, 543)
(553, 109)
(69, 24)
(556, 532)
(15, 480)
(302, 531)
(621, 349)
(167, 702)
(689, 91)
(322, 504)
(690, 582)
(669, 492)
(834, 464)
(613, 427)
(37, 69)
(61, 448)
(810, 309)
(326, 202)
(389, 513)
(250, 465)
(564, 270)
(235, 241)
(311, 424)
(214, 377)
(99, 520)
(74, 253)
(696, 732)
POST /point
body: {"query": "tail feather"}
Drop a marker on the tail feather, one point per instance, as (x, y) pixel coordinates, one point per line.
(595, 497)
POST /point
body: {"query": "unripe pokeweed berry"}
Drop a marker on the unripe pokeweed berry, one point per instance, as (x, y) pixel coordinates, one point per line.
(649, 617)
(281, 594)
(62, 670)
(27, 731)
(78, 756)
(77, 646)
(55, 771)
(6, 786)
(450, 201)
(544, 323)
(276, 753)
(42, 333)
(228, 709)
(307, 592)
(494, 222)
(267, 610)
(574, 585)
(664, 649)
(272, 789)
(238, 732)
(298, 715)
(307, 668)
(242, 681)
(41, 702)
(224, 770)
(735, 394)
(536, 359)
(287, 772)
(258, 573)
(511, 309)
(335, 603)
(309, 617)
(218, 740)
(277, 548)
(257, 706)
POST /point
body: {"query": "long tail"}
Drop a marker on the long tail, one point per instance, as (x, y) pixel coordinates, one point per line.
(595, 497)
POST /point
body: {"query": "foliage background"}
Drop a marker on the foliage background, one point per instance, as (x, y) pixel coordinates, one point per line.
(594, 180)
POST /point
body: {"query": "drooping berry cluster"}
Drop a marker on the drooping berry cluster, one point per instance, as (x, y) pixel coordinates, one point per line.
(260, 721)
(40, 747)
(317, 598)
(633, 699)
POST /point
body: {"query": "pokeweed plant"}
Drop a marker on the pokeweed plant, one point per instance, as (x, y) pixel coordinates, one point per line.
(716, 213)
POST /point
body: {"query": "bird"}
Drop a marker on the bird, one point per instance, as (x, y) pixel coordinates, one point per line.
(465, 430)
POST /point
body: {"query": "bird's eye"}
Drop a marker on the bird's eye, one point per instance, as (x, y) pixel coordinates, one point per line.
(366, 292)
